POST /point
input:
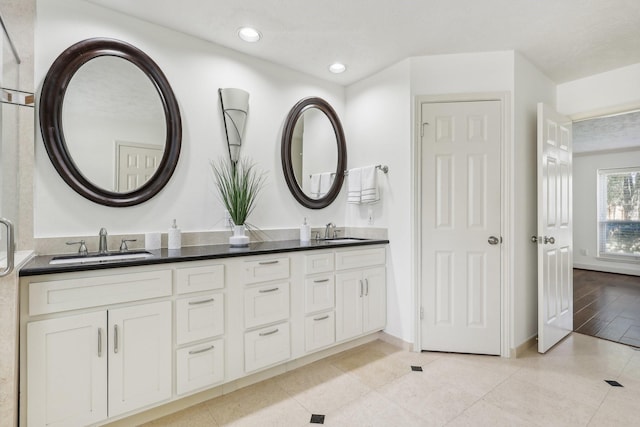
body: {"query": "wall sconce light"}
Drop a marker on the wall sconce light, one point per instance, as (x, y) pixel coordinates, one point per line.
(235, 106)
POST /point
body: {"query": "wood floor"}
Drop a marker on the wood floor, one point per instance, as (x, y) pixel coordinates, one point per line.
(607, 305)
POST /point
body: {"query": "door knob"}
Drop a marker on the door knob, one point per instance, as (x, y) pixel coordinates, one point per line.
(493, 240)
(551, 240)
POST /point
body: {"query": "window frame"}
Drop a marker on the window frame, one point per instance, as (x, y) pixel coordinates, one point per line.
(601, 215)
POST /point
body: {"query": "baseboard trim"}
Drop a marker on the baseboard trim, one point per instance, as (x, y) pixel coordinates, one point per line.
(608, 269)
(522, 348)
(395, 341)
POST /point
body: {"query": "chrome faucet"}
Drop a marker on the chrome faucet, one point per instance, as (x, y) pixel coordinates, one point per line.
(330, 226)
(102, 248)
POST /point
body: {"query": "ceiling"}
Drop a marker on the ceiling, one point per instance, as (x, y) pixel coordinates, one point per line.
(617, 132)
(565, 39)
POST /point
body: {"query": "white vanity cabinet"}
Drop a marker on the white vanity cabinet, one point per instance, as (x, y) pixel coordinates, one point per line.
(266, 297)
(76, 364)
(319, 300)
(100, 345)
(360, 292)
(200, 324)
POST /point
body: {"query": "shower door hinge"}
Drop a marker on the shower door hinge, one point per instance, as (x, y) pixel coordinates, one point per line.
(421, 313)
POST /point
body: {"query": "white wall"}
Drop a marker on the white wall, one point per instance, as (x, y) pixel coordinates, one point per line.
(603, 93)
(585, 208)
(195, 70)
(379, 132)
(613, 91)
(531, 87)
(380, 113)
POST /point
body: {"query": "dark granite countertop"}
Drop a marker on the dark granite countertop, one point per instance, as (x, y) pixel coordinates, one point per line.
(40, 264)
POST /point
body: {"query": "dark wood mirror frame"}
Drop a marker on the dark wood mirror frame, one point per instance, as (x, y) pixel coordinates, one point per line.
(51, 103)
(287, 166)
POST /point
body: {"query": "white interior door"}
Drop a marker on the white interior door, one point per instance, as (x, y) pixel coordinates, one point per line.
(135, 164)
(555, 228)
(461, 222)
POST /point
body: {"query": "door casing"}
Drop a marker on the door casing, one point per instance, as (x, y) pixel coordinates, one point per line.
(507, 209)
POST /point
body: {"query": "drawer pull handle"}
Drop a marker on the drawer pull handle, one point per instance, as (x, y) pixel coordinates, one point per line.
(99, 342)
(321, 281)
(202, 350)
(321, 318)
(204, 301)
(361, 289)
(264, 334)
(115, 339)
(264, 291)
(275, 261)
(366, 286)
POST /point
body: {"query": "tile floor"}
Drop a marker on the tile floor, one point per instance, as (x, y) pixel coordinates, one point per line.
(607, 305)
(374, 385)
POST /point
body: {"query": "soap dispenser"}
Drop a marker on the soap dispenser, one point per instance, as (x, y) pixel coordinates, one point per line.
(174, 237)
(305, 231)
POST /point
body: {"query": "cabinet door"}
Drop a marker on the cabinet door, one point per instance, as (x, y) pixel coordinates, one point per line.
(375, 299)
(320, 331)
(349, 295)
(267, 346)
(266, 304)
(199, 366)
(319, 293)
(199, 317)
(67, 370)
(139, 356)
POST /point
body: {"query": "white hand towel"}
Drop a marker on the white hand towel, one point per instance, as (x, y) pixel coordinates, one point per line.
(314, 187)
(354, 186)
(370, 193)
(325, 183)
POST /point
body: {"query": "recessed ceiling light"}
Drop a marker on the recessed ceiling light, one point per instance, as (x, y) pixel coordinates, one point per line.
(337, 68)
(249, 34)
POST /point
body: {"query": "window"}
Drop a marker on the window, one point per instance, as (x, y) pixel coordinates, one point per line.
(619, 213)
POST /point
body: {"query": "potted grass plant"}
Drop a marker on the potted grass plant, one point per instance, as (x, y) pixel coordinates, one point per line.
(238, 184)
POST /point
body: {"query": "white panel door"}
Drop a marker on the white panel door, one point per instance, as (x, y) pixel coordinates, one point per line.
(139, 356)
(135, 164)
(555, 228)
(67, 370)
(461, 243)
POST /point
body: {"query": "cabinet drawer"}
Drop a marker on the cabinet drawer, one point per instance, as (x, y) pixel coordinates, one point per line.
(318, 263)
(70, 294)
(194, 279)
(320, 331)
(266, 269)
(266, 346)
(199, 317)
(359, 258)
(319, 293)
(199, 366)
(266, 304)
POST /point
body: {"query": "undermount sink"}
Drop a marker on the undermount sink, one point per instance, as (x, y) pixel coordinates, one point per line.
(344, 240)
(97, 257)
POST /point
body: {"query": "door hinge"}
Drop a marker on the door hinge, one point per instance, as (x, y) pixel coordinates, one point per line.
(422, 128)
(421, 313)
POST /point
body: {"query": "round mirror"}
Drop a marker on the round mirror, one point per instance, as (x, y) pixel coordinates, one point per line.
(110, 122)
(314, 153)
